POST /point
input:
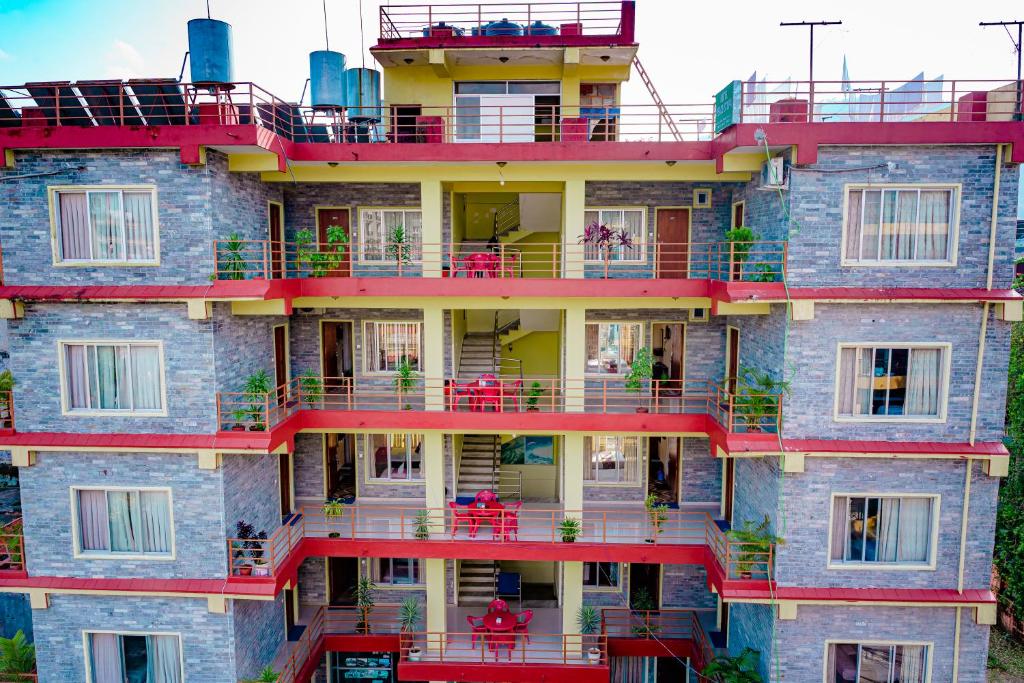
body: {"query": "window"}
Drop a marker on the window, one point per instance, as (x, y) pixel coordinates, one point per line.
(129, 521)
(893, 225)
(379, 235)
(613, 460)
(882, 529)
(887, 381)
(134, 658)
(388, 343)
(611, 347)
(632, 221)
(397, 571)
(881, 663)
(601, 575)
(123, 377)
(105, 225)
(396, 456)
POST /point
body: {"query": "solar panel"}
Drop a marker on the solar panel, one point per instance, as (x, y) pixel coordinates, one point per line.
(9, 117)
(110, 103)
(59, 98)
(160, 101)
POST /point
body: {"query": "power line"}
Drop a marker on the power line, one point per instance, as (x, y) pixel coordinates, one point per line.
(811, 25)
(1017, 48)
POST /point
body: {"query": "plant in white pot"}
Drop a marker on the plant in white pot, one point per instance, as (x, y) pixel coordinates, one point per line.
(589, 622)
(409, 615)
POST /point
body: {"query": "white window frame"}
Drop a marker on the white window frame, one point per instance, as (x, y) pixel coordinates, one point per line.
(87, 650)
(591, 442)
(638, 253)
(54, 192)
(371, 460)
(76, 528)
(928, 646)
(369, 368)
(933, 535)
(641, 338)
(954, 226)
(420, 569)
(594, 588)
(947, 359)
(65, 402)
(416, 244)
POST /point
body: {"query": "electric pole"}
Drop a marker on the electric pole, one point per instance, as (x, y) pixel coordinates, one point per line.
(1016, 46)
(810, 74)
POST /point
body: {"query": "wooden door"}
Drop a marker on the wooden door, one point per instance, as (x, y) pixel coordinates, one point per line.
(329, 218)
(285, 476)
(738, 210)
(289, 612)
(336, 346)
(729, 473)
(281, 363)
(342, 576)
(276, 222)
(732, 357)
(674, 243)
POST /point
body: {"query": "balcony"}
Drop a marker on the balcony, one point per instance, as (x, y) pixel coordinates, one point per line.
(12, 547)
(543, 403)
(762, 261)
(608, 535)
(658, 633)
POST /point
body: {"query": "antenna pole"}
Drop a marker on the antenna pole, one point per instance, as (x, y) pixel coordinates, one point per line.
(810, 73)
(208, 9)
(1017, 114)
(327, 41)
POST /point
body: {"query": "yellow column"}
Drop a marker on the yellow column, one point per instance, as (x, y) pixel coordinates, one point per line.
(572, 600)
(433, 357)
(430, 205)
(572, 251)
(436, 603)
(575, 357)
(572, 473)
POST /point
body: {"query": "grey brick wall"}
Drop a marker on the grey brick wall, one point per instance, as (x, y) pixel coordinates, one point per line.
(803, 559)
(197, 507)
(702, 473)
(756, 491)
(752, 626)
(242, 345)
(207, 640)
(313, 581)
(251, 492)
(308, 468)
(686, 586)
(259, 633)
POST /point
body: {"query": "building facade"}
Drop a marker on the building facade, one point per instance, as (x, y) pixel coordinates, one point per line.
(736, 378)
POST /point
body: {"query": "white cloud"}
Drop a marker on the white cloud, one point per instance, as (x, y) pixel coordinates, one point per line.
(123, 60)
(5, 56)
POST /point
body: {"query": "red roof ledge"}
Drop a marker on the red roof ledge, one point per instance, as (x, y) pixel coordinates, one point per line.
(776, 292)
(912, 596)
(185, 443)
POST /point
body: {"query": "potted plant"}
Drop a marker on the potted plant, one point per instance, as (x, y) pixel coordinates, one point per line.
(658, 514)
(405, 379)
(257, 389)
(311, 261)
(422, 530)
(397, 249)
(639, 375)
(6, 387)
(268, 675)
(238, 418)
(364, 603)
(17, 656)
(533, 396)
(570, 529)
(757, 398)
(409, 615)
(756, 546)
(247, 547)
(743, 668)
(589, 622)
(332, 509)
(232, 264)
(311, 387)
(604, 239)
(740, 240)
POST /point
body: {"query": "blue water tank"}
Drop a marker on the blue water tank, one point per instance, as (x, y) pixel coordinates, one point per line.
(539, 28)
(362, 94)
(209, 47)
(327, 79)
(504, 27)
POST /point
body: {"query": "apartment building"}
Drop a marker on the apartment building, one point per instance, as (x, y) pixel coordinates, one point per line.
(730, 374)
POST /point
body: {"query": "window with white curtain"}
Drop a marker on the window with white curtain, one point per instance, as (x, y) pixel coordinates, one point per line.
(895, 225)
(105, 225)
(876, 663)
(115, 377)
(611, 347)
(396, 457)
(630, 220)
(378, 233)
(882, 529)
(387, 343)
(134, 658)
(128, 521)
(612, 460)
(397, 571)
(882, 382)
(601, 575)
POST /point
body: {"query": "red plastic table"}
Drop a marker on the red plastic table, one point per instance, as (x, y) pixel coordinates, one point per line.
(489, 511)
(500, 634)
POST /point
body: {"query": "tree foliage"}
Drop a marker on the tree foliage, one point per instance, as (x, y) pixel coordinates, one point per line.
(1009, 548)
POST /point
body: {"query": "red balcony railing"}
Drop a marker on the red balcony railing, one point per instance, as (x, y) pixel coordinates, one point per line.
(660, 625)
(12, 546)
(761, 261)
(735, 412)
(454, 647)
(506, 20)
(663, 526)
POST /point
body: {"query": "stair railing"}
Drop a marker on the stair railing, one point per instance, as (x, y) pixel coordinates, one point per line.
(506, 218)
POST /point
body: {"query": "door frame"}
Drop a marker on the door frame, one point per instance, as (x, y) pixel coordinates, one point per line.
(728, 492)
(732, 213)
(650, 340)
(317, 208)
(689, 233)
(287, 347)
(320, 343)
(661, 581)
(291, 480)
(355, 458)
(273, 204)
(728, 353)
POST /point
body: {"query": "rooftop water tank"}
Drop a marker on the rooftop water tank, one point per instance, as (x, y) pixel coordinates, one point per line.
(209, 46)
(362, 94)
(504, 27)
(327, 79)
(539, 28)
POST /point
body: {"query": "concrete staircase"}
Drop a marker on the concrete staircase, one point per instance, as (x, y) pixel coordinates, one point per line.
(476, 581)
(478, 464)
(477, 356)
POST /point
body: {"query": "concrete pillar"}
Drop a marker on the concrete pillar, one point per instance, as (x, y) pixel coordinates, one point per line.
(572, 600)
(572, 228)
(436, 603)
(575, 358)
(430, 205)
(433, 357)
(572, 472)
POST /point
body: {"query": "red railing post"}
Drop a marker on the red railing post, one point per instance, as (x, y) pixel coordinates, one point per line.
(881, 103)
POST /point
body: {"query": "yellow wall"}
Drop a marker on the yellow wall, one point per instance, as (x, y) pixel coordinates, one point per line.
(539, 352)
(532, 572)
(478, 216)
(540, 482)
(458, 334)
(537, 261)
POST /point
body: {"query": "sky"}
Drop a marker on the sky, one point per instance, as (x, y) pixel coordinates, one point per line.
(691, 49)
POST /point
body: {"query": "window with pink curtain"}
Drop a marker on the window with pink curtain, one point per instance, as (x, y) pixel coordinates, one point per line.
(902, 224)
(106, 225)
(107, 666)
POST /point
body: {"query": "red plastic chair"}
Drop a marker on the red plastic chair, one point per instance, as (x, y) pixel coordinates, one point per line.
(485, 496)
(489, 395)
(512, 389)
(455, 391)
(497, 606)
(510, 521)
(522, 626)
(508, 266)
(459, 515)
(477, 625)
